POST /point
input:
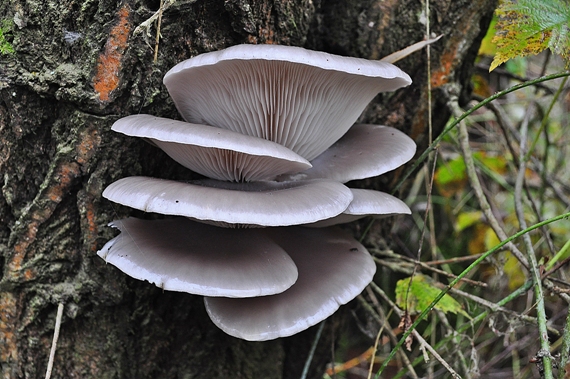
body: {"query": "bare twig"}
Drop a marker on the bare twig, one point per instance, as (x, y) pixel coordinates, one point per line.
(312, 351)
(497, 308)
(454, 341)
(158, 23)
(535, 274)
(430, 268)
(55, 338)
(145, 26)
(476, 184)
(384, 321)
(453, 260)
(417, 335)
(485, 255)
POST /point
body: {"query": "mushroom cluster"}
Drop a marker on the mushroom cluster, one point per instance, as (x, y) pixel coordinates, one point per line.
(271, 127)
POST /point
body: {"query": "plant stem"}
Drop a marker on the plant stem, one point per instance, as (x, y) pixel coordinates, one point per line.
(459, 277)
(533, 265)
(453, 124)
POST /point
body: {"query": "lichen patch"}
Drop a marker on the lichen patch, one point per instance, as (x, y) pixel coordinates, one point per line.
(109, 63)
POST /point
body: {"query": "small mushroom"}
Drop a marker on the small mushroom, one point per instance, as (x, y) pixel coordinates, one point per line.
(333, 269)
(366, 203)
(301, 99)
(182, 255)
(364, 151)
(216, 153)
(254, 203)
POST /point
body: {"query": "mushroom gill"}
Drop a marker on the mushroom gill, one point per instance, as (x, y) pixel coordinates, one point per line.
(271, 127)
(304, 100)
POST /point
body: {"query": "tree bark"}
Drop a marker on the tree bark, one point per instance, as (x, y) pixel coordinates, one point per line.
(75, 69)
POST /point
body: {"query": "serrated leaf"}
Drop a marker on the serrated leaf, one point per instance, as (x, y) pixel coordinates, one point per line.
(420, 295)
(527, 27)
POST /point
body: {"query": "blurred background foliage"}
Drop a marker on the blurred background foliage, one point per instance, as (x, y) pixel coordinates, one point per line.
(489, 325)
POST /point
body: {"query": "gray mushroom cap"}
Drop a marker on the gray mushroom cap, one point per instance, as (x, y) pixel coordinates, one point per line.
(216, 153)
(364, 151)
(182, 255)
(366, 203)
(333, 269)
(255, 203)
(304, 100)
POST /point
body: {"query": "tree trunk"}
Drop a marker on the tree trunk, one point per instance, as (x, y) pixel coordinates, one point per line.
(77, 67)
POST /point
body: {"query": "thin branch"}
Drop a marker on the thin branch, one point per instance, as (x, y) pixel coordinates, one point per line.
(565, 348)
(54, 341)
(450, 126)
(393, 338)
(476, 184)
(497, 308)
(312, 351)
(454, 341)
(535, 274)
(428, 267)
(158, 24)
(417, 335)
(459, 277)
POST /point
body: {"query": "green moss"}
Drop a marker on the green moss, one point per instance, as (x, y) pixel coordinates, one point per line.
(6, 47)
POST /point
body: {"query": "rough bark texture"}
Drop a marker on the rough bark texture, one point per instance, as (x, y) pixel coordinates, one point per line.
(60, 93)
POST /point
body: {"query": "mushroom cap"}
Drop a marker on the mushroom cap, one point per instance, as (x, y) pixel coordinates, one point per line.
(333, 269)
(365, 151)
(182, 255)
(366, 203)
(255, 203)
(304, 100)
(216, 153)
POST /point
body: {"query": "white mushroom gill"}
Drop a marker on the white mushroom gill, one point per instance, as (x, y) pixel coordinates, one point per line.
(364, 151)
(216, 153)
(301, 99)
(255, 117)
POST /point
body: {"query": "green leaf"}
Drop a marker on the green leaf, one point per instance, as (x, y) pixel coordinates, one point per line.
(467, 219)
(416, 293)
(451, 171)
(6, 47)
(527, 27)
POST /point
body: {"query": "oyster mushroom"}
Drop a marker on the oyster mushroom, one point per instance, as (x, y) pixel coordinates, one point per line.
(364, 151)
(304, 100)
(254, 203)
(265, 122)
(216, 153)
(333, 269)
(182, 255)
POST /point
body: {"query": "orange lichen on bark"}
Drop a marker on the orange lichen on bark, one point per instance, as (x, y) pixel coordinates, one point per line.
(87, 146)
(20, 248)
(93, 230)
(444, 72)
(64, 177)
(8, 317)
(106, 78)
